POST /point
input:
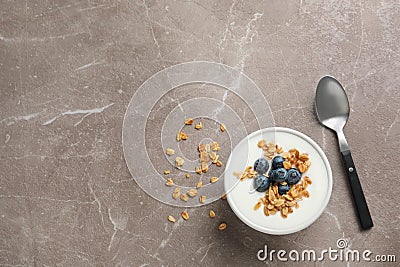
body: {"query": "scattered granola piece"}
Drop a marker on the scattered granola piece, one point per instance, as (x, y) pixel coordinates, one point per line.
(212, 214)
(199, 184)
(169, 151)
(171, 218)
(279, 149)
(184, 197)
(202, 199)
(169, 182)
(223, 197)
(176, 193)
(198, 170)
(181, 136)
(261, 143)
(192, 192)
(167, 172)
(187, 175)
(184, 136)
(198, 126)
(215, 146)
(213, 179)
(222, 127)
(179, 161)
(185, 215)
(257, 206)
(189, 121)
(215, 159)
(222, 226)
(219, 163)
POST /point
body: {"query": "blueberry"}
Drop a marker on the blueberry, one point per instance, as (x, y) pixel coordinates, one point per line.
(293, 176)
(261, 165)
(261, 183)
(277, 162)
(283, 189)
(278, 175)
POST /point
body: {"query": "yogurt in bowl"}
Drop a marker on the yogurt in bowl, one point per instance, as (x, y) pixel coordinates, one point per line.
(243, 200)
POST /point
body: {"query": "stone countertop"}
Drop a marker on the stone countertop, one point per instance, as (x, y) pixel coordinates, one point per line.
(70, 68)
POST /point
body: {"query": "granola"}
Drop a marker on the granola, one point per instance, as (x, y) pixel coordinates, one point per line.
(282, 192)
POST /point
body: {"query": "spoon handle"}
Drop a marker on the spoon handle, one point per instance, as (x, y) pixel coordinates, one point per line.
(358, 195)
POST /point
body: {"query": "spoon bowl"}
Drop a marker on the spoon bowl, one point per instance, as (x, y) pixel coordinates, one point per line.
(332, 104)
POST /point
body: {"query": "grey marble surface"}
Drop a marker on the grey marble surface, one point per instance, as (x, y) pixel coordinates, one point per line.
(70, 68)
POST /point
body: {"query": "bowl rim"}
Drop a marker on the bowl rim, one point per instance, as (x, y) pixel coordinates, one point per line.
(316, 214)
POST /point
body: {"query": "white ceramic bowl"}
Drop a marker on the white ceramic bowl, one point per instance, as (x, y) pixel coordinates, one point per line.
(242, 201)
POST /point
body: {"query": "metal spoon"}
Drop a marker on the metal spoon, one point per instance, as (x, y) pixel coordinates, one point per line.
(332, 107)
